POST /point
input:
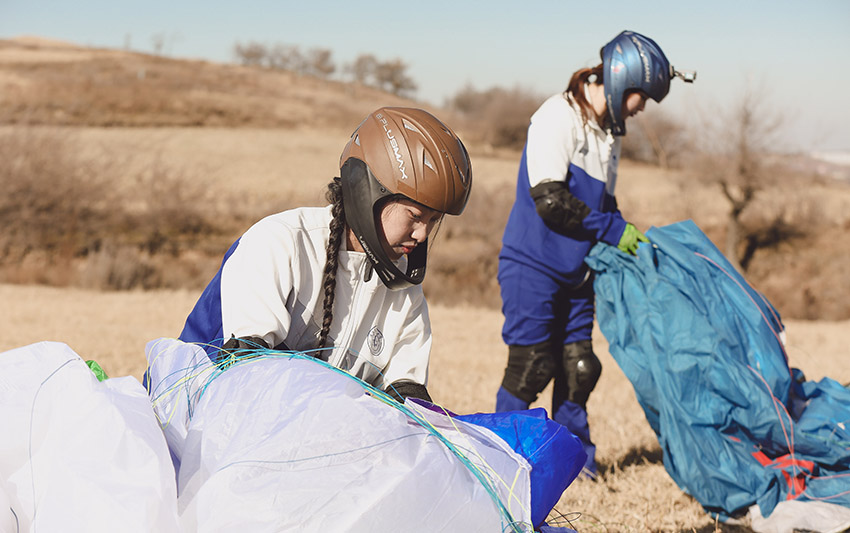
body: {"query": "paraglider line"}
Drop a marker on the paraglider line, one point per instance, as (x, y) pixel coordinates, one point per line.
(832, 476)
(247, 356)
(766, 321)
(789, 441)
(314, 457)
(32, 418)
(511, 488)
(189, 374)
(769, 307)
(824, 498)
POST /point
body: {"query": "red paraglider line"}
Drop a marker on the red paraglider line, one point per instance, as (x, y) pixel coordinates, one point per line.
(766, 321)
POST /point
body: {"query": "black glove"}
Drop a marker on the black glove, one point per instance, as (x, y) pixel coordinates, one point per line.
(408, 389)
(238, 347)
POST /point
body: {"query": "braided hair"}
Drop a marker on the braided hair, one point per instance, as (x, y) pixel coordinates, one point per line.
(337, 227)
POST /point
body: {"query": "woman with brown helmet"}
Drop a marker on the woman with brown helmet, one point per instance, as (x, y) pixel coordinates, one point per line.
(343, 281)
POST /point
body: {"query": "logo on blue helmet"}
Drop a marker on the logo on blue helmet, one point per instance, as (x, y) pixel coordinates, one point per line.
(632, 62)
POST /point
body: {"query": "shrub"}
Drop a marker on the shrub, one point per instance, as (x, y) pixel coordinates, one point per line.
(496, 116)
(75, 219)
(655, 137)
(464, 255)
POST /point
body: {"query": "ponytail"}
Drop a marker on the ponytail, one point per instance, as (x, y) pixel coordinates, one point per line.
(337, 227)
(575, 89)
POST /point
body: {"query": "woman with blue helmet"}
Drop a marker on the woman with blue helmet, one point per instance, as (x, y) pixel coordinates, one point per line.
(564, 205)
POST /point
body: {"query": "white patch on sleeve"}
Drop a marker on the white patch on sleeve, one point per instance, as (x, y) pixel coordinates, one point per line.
(558, 137)
(551, 141)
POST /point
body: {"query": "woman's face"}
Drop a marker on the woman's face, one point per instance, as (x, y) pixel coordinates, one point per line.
(633, 103)
(405, 225)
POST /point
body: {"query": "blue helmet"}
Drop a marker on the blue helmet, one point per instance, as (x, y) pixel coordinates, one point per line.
(632, 62)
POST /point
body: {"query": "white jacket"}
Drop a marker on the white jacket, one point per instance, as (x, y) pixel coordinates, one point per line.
(559, 138)
(271, 288)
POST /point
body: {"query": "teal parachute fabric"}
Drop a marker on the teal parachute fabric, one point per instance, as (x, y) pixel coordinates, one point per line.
(704, 351)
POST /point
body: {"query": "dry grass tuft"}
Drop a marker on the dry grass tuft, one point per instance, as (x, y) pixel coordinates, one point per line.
(72, 218)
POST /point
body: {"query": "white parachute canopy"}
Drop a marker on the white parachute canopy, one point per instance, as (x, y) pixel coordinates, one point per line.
(274, 443)
(286, 443)
(77, 454)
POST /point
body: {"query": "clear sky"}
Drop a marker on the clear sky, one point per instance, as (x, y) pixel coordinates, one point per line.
(798, 52)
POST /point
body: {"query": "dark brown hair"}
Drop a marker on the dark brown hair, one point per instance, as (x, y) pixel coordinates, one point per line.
(575, 89)
(337, 227)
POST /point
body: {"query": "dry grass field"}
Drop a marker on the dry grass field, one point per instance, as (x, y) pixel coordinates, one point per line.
(634, 493)
(273, 142)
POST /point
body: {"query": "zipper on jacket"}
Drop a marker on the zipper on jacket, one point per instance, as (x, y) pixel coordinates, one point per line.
(350, 325)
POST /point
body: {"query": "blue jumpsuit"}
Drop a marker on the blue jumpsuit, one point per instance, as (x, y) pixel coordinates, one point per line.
(546, 293)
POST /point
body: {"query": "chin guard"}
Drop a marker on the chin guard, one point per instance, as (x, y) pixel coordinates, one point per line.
(362, 194)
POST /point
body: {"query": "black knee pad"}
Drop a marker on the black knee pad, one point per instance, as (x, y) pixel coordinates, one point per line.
(529, 370)
(582, 369)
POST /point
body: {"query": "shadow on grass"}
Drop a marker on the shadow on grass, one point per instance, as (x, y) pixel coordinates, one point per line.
(721, 528)
(635, 456)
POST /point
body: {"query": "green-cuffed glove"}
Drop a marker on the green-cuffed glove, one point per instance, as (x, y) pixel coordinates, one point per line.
(630, 239)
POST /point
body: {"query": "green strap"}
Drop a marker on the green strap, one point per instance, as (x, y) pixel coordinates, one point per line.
(98, 371)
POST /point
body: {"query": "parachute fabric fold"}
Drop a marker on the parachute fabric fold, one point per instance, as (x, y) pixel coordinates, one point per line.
(78, 454)
(555, 455)
(705, 355)
(284, 442)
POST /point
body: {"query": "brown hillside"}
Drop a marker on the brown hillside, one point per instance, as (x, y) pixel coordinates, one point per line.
(152, 166)
(49, 82)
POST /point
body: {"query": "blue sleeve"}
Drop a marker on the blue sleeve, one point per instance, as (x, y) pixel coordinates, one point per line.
(604, 223)
(606, 227)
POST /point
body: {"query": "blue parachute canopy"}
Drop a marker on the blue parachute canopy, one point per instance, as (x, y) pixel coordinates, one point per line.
(554, 454)
(705, 354)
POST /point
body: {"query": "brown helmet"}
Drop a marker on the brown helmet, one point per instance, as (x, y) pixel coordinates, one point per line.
(399, 151)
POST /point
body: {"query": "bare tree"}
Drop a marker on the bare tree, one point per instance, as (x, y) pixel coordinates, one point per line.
(736, 156)
(392, 76)
(363, 68)
(319, 63)
(286, 57)
(162, 42)
(656, 138)
(250, 54)
(469, 101)
(158, 42)
(498, 116)
(316, 62)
